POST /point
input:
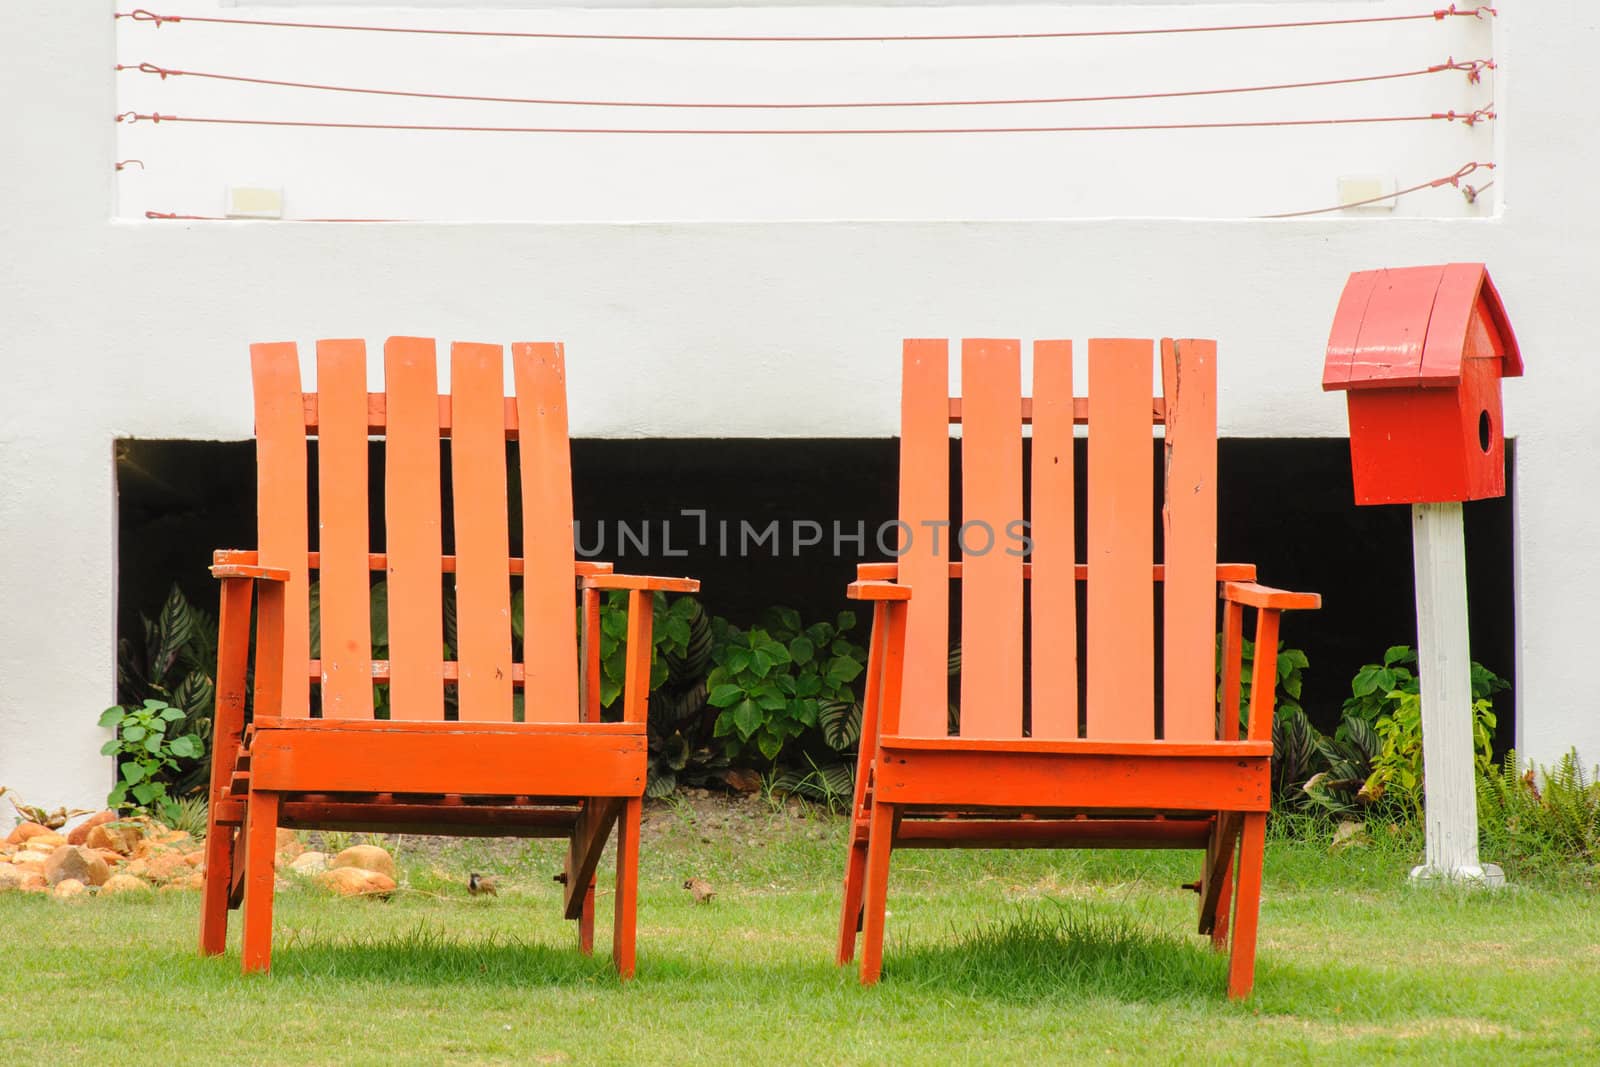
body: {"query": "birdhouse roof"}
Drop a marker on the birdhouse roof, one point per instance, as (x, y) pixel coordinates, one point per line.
(1413, 326)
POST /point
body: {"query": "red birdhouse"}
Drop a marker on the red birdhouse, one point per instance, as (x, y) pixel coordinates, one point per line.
(1421, 351)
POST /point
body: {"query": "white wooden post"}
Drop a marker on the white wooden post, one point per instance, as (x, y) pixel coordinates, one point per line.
(1444, 667)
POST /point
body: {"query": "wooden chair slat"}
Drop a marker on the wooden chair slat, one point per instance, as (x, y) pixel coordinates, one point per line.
(1120, 690)
(483, 583)
(1189, 517)
(282, 510)
(925, 499)
(1054, 589)
(991, 501)
(549, 639)
(342, 541)
(412, 530)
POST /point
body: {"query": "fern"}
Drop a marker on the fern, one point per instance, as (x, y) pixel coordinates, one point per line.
(1540, 817)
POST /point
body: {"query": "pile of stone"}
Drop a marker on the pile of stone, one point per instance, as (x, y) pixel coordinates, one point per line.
(108, 854)
(104, 854)
(358, 871)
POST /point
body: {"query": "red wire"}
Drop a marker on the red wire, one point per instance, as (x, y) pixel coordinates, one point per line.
(167, 215)
(1470, 119)
(1437, 15)
(1451, 179)
(1472, 67)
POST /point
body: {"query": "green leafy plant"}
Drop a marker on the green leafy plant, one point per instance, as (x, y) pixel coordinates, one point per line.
(1535, 819)
(145, 754)
(670, 635)
(174, 664)
(1291, 662)
(831, 783)
(1373, 762)
(1347, 760)
(770, 682)
(682, 748)
(189, 814)
(1377, 687)
(1397, 769)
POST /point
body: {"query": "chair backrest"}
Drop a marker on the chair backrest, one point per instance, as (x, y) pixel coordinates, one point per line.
(478, 420)
(997, 585)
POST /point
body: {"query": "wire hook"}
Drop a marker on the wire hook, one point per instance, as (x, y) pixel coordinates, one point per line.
(139, 14)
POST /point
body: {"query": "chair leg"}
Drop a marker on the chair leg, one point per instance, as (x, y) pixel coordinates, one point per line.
(627, 887)
(1216, 878)
(260, 840)
(586, 922)
(855, 872)
(220, 847)
(880, 842)
(1247, 906)
(1219, 928)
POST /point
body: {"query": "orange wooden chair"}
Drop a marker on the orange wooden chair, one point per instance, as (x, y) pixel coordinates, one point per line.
(555, 770)
(1062, 758)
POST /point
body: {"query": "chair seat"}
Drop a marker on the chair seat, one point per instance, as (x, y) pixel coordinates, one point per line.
(1078, 775)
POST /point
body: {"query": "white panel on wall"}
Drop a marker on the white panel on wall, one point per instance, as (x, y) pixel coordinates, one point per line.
(430, 174)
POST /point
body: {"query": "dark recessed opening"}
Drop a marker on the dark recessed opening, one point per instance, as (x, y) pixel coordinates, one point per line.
(1284, 504)
(1484, 429)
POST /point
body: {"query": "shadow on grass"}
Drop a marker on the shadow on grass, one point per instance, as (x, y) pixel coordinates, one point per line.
(425, 955)
(1037, 955)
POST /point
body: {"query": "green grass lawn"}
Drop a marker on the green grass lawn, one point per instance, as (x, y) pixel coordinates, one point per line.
(1019, 957)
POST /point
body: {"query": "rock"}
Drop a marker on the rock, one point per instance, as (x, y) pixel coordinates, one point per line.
(25, 830)
(29, 855)
(173, 837)
(165, 866)
(80, 833)
(33, 882)
(742, 780)
(356, 882)
(187, 882)
(46, 842)
(68, 888)
(153, 842)
(10, 877)
(195, 859)
(74, 863)
(124, 883)
(139, 868)
(310, 863)
(122, 836)
(288, 847)
(112, 858)
(1349, 834)
(366, 858)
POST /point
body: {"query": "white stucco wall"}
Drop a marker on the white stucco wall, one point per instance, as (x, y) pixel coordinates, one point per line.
(1209, 173)
(719, 328)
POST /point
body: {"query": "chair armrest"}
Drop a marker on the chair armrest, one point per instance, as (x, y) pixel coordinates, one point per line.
(877, 591)
(1254, 595)
(224, 567)
(637, 581)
